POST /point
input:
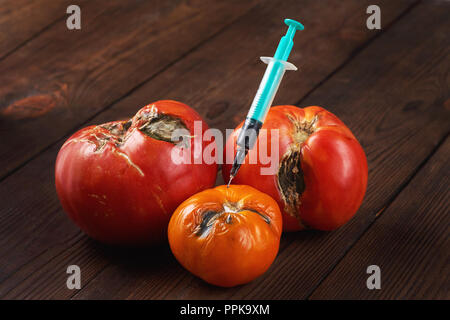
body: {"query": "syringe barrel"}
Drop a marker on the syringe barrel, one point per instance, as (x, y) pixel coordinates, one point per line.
(248, 134)
(268, 87)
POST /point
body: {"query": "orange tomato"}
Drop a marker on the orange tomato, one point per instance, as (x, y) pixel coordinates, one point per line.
(226, 236)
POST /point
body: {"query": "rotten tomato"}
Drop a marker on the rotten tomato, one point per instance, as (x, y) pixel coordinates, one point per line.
(321, 174)
(118, 181)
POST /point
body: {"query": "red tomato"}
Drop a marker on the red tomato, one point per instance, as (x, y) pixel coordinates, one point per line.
(321, 176)
(117, 181)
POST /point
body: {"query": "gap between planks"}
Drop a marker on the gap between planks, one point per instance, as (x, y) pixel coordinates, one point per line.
(34, 36)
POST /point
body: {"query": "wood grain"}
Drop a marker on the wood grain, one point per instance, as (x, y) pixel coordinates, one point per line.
(22, 20)
(62, 78)
(409, 242)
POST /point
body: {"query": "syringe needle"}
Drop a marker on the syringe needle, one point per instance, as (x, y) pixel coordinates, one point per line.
(229, 181)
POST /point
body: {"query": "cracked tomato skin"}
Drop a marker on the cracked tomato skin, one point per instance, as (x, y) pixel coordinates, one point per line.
(120, 185)
(226, 236)
(331, 162)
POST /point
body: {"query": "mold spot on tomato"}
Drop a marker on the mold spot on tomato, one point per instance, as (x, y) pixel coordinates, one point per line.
(209, 217)
(118, 129)
(161, 127)
(207, 220)
(290, 180)
(303, 129)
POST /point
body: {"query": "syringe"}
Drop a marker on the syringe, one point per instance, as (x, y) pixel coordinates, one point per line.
(265, 94)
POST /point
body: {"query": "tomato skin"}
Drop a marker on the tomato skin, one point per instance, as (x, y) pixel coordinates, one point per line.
(125, 194)
(238, 246)
(333, 164)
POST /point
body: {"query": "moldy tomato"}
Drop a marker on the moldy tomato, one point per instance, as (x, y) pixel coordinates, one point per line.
(321, 177)
(117, 181)
(226, 236)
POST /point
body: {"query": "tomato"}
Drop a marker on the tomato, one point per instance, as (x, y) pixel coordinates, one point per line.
(117, 181)
(320, 178)
(226, 236)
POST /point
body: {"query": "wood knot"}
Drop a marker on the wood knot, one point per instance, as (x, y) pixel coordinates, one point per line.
(29, 107)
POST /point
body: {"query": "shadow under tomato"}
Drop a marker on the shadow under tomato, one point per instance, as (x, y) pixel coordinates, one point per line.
(304, 235)
(145, 258)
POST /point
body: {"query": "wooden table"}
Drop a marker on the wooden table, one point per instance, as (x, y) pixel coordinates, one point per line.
(390, 86)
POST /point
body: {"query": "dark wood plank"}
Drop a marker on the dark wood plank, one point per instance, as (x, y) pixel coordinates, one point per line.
(45, 253)
(21, 20)
(409, 242)
(394, 96)
(62, 78)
